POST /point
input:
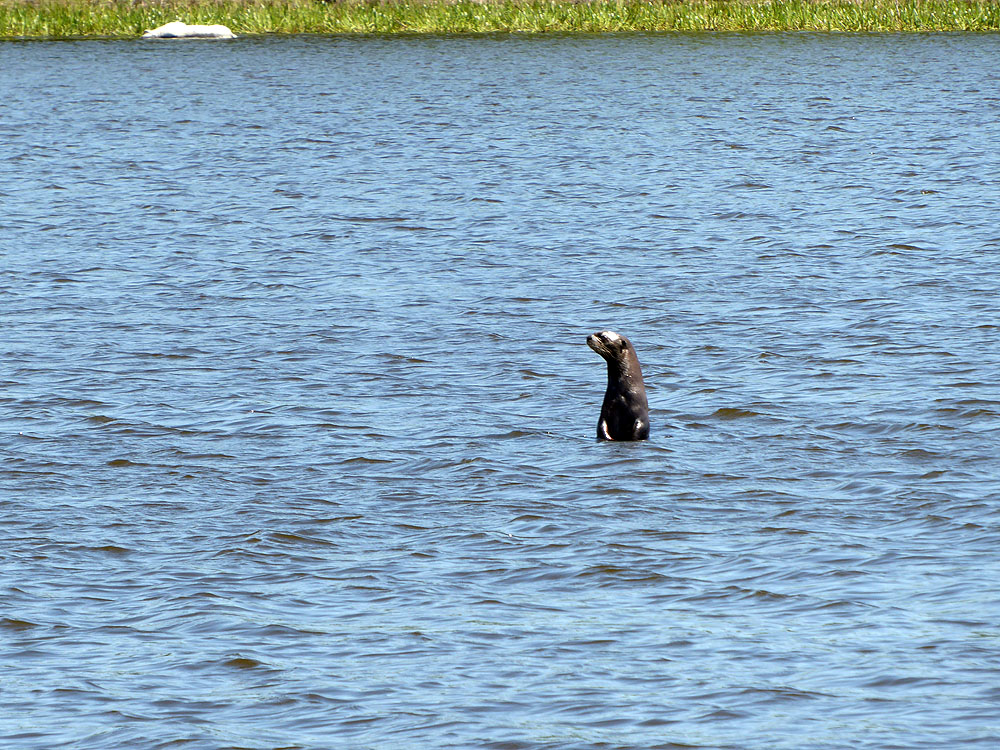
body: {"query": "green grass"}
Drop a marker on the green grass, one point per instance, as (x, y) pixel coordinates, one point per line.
(111, 18)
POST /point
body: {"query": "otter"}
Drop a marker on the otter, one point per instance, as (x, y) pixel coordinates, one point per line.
(625, 412)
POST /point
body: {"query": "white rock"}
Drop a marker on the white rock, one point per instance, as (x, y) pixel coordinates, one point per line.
(181, 30)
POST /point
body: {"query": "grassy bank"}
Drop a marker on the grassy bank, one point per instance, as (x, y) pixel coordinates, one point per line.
(111, 18)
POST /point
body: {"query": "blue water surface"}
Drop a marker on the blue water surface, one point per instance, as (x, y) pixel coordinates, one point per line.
(297, 416)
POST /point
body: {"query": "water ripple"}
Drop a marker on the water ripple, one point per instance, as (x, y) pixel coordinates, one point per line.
(298, 416)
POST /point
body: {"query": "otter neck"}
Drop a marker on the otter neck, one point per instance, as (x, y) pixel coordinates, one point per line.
(622, 373)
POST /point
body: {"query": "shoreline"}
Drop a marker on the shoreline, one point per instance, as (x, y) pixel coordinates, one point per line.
(115, 19)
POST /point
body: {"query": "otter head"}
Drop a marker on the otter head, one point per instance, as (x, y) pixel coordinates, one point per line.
(615, 348)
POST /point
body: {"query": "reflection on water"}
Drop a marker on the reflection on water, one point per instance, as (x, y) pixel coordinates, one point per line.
(298, 411)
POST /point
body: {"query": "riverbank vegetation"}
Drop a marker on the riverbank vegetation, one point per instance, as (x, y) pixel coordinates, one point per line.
(129, 18)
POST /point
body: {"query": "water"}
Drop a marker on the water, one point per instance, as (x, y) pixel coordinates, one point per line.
(298, 414)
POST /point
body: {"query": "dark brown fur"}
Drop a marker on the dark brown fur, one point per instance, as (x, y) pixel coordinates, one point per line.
(625, 411)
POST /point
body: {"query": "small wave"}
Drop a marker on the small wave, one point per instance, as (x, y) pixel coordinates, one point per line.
(517, 433)
(242, 662)
(921, 454)
(733, 412)
(366, 460)
(374, 219)
(10, 623)
(748, 185)
(285, 538)
(112, 549)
